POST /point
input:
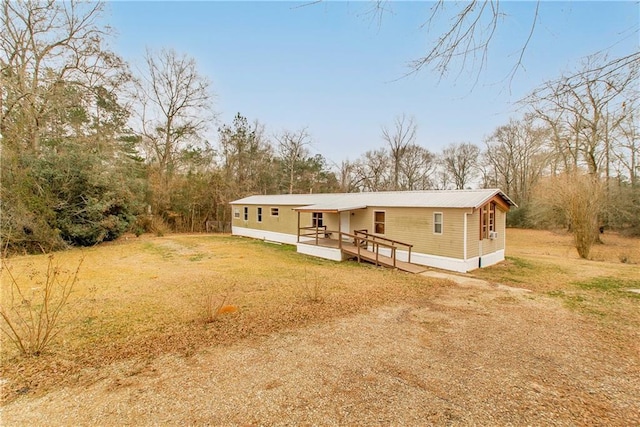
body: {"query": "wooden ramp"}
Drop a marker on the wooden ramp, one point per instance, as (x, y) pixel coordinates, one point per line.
(383, 260)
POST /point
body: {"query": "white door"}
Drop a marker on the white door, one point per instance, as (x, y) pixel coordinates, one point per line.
(344, 223)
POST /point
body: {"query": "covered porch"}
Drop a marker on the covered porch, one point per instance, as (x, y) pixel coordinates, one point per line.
(344, 243)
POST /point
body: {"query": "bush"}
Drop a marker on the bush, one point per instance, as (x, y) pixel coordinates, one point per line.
(31, 319)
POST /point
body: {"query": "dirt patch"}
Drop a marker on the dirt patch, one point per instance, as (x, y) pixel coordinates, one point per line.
(467, 356)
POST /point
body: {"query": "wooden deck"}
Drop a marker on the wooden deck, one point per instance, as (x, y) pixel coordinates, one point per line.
(351, 250)
(383, 260)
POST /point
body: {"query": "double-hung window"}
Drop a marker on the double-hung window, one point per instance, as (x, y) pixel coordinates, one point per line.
(246, 213)
(437, 223)
(259, 215)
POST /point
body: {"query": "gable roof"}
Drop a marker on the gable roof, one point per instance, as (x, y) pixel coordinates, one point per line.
(337, 202)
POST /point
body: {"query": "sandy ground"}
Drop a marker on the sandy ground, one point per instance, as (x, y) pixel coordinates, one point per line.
(475, 355)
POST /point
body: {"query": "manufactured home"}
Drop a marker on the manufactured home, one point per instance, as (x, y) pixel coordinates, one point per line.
(458, 230)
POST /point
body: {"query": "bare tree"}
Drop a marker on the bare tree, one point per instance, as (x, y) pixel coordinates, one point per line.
(399, 138)
(417, 168)
(628, 144)
(464, 44)
(583, 111)
(51, 59)
(578, 197)
(292, 149)
(373, 170)
(348, 178)
(176, 106)
(516, 156)
(460, 161)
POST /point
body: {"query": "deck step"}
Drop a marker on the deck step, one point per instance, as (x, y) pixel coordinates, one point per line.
(383, 260)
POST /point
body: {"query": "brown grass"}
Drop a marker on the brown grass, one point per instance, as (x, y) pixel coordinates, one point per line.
(308, 341)
(142, 297)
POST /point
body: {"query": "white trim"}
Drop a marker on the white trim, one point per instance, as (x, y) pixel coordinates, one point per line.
(441, 223)
(447, 263)
(264, 235)
(332, 254)
(259, 214)
(444, 263)
(384, 224)
(491, 258)
(245, 213)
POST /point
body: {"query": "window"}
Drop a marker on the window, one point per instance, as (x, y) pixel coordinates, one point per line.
(316, 219)
(437, 223)
(487, 220)
(259, 214)
(275, 211)
(236, 213)
(246, 213)
(378, 222)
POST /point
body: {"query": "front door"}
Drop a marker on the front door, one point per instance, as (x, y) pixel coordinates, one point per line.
(345, 225)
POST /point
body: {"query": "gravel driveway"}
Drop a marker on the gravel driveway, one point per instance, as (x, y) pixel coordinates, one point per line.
(472, 356)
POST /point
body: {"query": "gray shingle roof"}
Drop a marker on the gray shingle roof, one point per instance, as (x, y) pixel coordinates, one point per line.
(349, 201)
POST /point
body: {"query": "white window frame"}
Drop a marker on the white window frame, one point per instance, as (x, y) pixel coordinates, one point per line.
(245, 213)
(236, 213)
(259, 214)
(275, 212)
(441, 223)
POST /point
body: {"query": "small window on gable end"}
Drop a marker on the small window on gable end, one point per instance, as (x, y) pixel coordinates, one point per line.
(275, 211)
(378, 222)
(246, 213)
(236, 213)
(437, 223)
(259, 214)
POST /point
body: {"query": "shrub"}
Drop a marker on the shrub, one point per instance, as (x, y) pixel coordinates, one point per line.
(30, 319)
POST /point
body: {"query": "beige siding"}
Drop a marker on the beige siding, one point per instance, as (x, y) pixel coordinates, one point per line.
(409, 225)
(415, 226)
(285, 222)
(473, 234)
(488, 245)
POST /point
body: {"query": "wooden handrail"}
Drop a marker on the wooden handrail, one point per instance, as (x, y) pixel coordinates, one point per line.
(360, 237)
(374, 237)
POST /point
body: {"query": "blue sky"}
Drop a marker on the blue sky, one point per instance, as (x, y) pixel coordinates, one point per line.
(333, 69)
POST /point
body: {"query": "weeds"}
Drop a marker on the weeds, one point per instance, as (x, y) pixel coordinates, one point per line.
(30, 319)
(214, 305)
(312, 291)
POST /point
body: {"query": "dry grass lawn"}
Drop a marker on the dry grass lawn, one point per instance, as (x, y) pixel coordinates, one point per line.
(308, 341)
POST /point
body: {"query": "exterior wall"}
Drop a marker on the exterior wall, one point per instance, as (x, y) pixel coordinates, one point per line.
(415, 226)
(410, 225)
(265, 235)
(361, 220)
(333, 254)
(286, 222)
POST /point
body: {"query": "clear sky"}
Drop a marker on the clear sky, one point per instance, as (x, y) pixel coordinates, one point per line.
(331, 68)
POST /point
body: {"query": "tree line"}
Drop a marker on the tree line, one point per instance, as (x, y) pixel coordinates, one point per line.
(91, 150)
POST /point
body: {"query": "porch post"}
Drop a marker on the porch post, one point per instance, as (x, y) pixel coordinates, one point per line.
(339, 230)
(298, 241)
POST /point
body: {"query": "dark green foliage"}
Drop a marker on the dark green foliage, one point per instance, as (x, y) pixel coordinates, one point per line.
(519, 217)
(64, 196)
